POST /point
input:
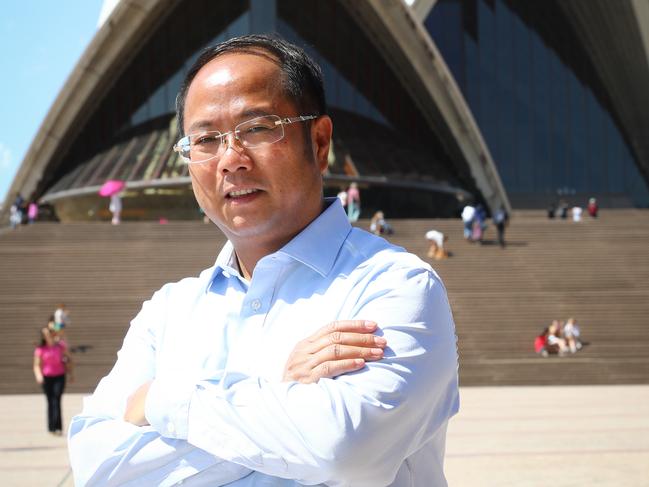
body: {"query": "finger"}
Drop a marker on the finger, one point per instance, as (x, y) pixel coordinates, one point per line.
(342, 352)
(355, 326)
(335, 368)
(345, 338)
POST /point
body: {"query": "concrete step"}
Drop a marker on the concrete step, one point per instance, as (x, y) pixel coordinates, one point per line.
(596, 271)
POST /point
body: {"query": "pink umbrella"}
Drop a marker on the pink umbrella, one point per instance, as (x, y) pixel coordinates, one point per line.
(110, 187)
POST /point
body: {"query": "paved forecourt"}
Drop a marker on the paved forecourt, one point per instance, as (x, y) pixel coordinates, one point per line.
(503, 436)
(550, 435)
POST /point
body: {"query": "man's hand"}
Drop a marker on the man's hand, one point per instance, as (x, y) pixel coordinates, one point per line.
(135, 406)
(335, 349)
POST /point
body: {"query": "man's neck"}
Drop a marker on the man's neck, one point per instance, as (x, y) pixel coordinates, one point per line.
(251, 250)
(243, 270)
(248, 256)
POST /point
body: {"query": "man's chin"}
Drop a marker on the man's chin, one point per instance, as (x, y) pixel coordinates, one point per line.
(242, 228)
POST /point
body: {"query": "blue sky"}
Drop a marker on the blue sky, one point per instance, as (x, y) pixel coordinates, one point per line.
(40, 43)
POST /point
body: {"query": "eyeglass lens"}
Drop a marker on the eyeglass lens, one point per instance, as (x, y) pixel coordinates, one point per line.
(252, 133)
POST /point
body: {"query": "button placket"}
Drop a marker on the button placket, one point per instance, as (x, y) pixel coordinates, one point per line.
(262, 287)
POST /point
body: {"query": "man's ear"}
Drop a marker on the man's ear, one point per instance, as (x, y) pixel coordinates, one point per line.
(321, 132)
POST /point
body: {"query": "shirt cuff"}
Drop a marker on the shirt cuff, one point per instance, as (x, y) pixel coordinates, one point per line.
(167, 407)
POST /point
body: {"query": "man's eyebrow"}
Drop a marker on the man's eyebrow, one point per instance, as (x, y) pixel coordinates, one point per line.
(201, 125)
(244, 116)
(254, 112)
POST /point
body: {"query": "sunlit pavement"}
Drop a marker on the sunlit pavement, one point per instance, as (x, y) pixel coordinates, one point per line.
(554, 436)
(503, 436)
(30, 456)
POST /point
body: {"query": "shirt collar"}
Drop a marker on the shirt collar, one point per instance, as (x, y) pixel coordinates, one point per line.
(226, 263)
(317, 246)
(227, 260)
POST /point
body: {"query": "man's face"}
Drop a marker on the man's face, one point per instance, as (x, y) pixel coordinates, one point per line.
(267, 194)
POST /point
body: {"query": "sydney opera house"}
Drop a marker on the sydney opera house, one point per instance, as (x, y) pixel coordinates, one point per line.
(435, 103)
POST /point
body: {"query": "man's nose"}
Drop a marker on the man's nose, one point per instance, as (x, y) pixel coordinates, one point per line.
(234, 157)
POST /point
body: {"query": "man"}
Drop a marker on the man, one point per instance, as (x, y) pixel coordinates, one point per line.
(216, 382)
(501, 219)
(468, 214)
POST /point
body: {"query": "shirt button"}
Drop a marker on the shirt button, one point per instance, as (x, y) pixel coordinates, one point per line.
(170, 428)
(255, 305)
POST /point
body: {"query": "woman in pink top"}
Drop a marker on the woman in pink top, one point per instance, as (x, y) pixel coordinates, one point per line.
(50, 360)
(32, 212)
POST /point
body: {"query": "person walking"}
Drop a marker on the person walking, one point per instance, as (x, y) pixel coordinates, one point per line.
(61, 316)
(501, 219)
(592, 207)
(32, 212)
(468, 214)
(51, 361)
(115, 208)
(576, 213)
(16, 211)
(563, 210)
(15, 217)
(353, 202)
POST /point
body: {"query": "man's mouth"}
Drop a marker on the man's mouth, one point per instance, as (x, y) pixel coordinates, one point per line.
(240, 193)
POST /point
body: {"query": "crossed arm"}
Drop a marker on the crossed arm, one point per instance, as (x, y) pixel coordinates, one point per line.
(358, 428)
(335, 349)
(131, 450)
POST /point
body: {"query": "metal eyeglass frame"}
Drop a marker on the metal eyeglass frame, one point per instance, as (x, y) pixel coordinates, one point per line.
(185, 141)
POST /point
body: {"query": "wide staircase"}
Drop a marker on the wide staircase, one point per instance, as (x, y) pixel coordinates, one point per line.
(596, 271)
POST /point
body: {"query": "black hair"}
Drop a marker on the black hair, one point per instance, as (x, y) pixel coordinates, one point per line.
(301, 80)
(41, 338)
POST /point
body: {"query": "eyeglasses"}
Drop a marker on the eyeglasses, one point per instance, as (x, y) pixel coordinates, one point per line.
(204, 146)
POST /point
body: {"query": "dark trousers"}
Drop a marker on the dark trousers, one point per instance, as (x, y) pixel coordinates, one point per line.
(501, 233)
(53, 387)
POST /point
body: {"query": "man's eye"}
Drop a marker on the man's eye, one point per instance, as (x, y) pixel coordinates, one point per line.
(258, 128)
(206, 139)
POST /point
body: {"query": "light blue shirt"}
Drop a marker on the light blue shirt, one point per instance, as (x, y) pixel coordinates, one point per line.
(215, 347)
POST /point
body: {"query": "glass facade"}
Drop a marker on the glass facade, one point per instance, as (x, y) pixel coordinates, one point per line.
(540, 107)
(378, 129)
